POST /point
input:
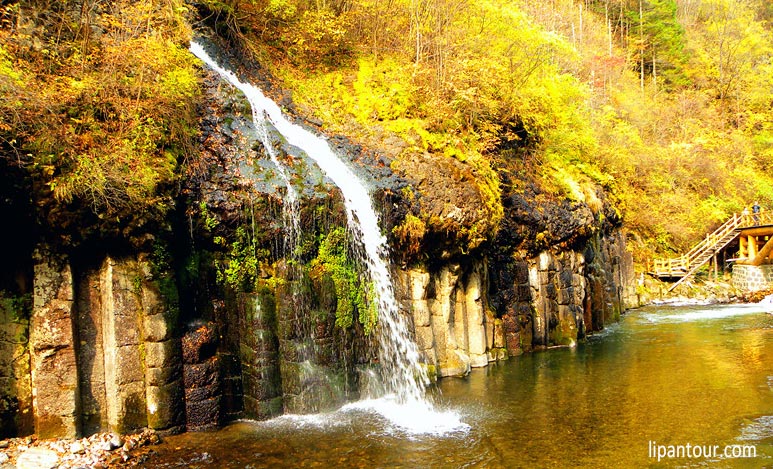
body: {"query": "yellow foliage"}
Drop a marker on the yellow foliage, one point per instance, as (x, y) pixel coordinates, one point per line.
(107, 117)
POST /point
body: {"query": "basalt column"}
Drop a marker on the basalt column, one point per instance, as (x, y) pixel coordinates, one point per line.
(55, 390)
(103, 351)
(454, 329)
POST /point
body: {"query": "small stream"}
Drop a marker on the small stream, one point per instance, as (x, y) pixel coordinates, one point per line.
(698, 375)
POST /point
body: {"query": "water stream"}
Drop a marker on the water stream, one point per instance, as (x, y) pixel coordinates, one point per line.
(403, 377)
(701, 375)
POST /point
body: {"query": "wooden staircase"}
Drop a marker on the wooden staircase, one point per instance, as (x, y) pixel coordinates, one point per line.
(685, 266)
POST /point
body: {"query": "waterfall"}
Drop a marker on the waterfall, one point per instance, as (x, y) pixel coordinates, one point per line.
(403, 376)
(290, 207)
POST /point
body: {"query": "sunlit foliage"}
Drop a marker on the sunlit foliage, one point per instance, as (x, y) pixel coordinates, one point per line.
(98, 98)
(664, 104)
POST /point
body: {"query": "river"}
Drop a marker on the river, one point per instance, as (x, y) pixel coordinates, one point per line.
(666, 376)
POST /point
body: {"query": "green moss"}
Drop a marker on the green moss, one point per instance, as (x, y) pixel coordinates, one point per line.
(353, 296)
(17, 309)
(410, 233)
(431, 371)
(162, 270)
(210, 222)
(241, 266)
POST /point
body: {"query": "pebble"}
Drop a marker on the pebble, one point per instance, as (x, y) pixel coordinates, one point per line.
(77, 447)
(100, 450)
(115, 441)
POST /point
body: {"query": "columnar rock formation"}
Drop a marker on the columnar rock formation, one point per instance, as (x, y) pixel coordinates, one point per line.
(101, 351)
(555, 299)
(204, 318)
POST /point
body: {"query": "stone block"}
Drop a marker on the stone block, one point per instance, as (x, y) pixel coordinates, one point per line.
(459, 325)
(163, 376)
(201, 393)
(476, 334)
(37, 458)
(152, 303)
(128, 366)
(261, 386)
(424, 337)
(202, 415)
(127, 328)
(478, 360)
(510, 323)
(524, 292)
(565, 295)
(421, 313)
(440, 332)
(522, 273)
(128, 408)
(488, 326)
(456, 364)
(546, 261)
(156, 328)
(202, 374)
(499, 333)
(513, 343)
(550, 291)
(539, 329)
(419, 280)
(200, 344)
(165, 405)
(162, 354)
(53, 363)
(262, 410)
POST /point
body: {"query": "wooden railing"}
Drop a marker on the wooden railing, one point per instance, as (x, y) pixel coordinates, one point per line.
(675, 267)
(687, 264)
(748, 220)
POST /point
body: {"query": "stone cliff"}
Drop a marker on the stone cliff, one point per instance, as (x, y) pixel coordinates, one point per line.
(212, 317)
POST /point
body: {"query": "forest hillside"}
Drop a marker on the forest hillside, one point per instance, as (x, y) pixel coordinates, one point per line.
(666, 105)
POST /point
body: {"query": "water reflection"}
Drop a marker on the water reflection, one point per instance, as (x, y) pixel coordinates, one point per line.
(699, 374)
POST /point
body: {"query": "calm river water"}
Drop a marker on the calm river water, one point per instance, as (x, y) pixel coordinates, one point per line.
(698, 375)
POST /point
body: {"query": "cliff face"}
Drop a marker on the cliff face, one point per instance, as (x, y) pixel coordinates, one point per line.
(221, 317)
(550, 299)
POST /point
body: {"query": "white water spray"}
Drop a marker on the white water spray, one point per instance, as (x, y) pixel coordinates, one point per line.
(398, 355)
(290, 208)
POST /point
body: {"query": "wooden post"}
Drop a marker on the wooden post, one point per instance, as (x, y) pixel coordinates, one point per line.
(752, 245)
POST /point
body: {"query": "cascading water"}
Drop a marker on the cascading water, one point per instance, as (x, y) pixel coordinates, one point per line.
(404, 378)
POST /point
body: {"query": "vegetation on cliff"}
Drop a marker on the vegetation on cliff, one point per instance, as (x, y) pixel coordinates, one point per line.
(662, 104)
(97, 105)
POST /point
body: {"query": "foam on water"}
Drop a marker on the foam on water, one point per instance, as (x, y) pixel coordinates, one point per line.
(760, 429)
(708, 313)
(413, 418)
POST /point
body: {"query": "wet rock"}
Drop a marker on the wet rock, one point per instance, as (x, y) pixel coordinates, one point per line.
(458, 364)
(200, 344)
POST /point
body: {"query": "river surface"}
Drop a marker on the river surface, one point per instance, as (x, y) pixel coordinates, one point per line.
(698, 375)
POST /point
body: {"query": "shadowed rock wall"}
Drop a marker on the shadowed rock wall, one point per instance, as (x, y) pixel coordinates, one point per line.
(102, 351)
(551, 299)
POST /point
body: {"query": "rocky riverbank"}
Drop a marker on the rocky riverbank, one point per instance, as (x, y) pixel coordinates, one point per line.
(101, 450)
